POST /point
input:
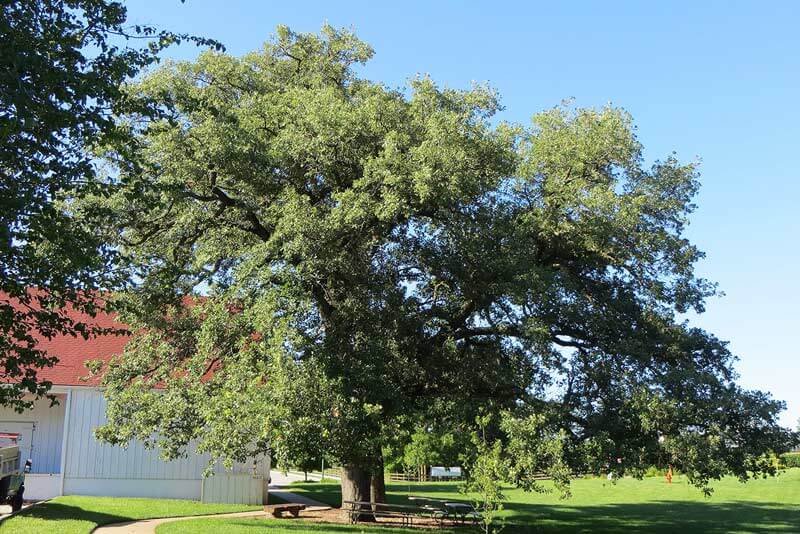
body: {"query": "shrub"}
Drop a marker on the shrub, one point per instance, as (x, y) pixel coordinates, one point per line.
(654, 471)
(791, 459)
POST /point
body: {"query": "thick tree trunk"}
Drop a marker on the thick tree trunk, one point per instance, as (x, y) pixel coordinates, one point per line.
(378, 483)
(356, 487)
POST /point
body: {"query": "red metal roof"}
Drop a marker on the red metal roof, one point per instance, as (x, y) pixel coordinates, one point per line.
(73, 351)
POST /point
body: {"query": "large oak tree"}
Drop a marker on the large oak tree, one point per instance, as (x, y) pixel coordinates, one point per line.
(366, 253)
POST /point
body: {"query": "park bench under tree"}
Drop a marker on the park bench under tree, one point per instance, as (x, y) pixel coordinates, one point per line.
(276, 510)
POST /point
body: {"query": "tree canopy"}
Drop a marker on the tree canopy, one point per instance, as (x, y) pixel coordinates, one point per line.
(62, 66)
(366, 253)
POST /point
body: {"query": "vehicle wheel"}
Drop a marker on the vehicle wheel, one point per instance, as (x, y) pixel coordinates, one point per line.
(16, 501)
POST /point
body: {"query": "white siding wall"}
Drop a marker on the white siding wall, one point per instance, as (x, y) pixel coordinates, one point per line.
(47, 433)
(94, 468)
(89, 458)
(42, 486)
(235, 489)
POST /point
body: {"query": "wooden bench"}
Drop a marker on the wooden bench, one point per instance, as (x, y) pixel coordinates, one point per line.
(277, 509)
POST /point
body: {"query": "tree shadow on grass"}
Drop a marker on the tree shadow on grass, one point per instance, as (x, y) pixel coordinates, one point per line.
(684, 517)
(711, 516)
(657, 516)
(329, 494)
(286, 525)
(54, 511)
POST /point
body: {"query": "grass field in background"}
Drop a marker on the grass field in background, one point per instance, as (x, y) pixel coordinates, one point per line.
(651, 505)
(80, 515)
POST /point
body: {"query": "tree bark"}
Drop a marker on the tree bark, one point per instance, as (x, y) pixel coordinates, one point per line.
(356, 487)
(378, 483)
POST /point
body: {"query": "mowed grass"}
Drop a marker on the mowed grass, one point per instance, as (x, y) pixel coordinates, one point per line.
(80, 515)
(597, 505)
(272, 526)
(649, 505)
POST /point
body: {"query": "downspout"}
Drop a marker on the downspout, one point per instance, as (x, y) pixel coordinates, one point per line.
(64, 440)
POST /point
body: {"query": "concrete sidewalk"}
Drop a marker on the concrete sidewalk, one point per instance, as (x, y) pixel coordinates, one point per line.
(316, 475)
(281, 488)
(5, 510)
(281, 479)
(148, 526)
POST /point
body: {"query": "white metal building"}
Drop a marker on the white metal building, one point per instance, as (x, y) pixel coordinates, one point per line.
(67, 460)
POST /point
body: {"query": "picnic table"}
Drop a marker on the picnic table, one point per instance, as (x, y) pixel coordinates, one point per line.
(424, 507)
(453, 510)
(406, 513)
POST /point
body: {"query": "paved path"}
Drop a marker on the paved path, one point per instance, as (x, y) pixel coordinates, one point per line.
(5, 510)
(316, 475)
(281, 488)
(280, 479)
(148, 526)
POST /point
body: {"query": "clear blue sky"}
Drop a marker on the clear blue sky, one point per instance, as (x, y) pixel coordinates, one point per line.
(712, 80)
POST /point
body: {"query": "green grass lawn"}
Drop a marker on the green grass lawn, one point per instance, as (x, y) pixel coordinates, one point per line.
(79, 515)
(649, 505)
(274, 499)
(597, 505)
(271, 526)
